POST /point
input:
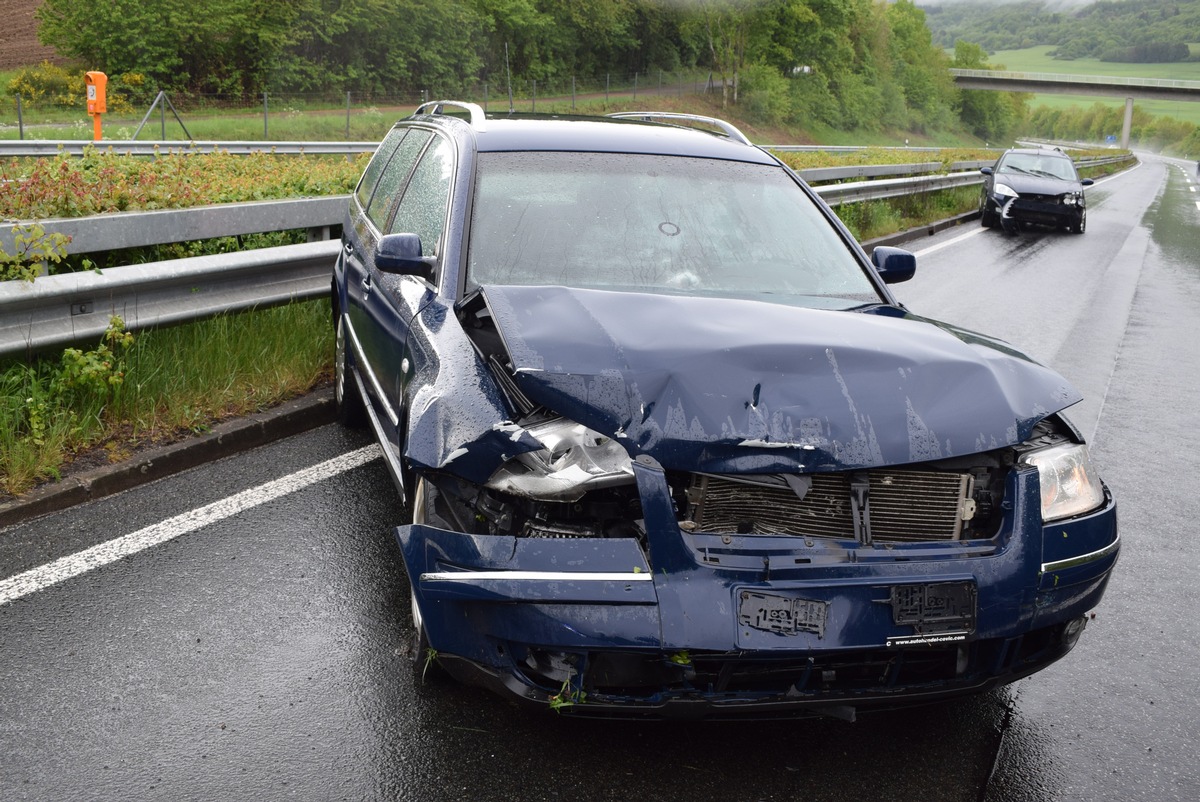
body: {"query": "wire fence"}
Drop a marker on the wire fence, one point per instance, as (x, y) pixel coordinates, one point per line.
(295, 116)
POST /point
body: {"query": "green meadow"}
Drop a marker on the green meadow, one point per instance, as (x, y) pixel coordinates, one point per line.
(1035, 59)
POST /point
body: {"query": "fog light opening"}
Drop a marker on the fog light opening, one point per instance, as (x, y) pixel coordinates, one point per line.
(1073, 630)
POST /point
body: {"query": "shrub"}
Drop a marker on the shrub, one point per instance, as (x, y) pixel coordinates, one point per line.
(47, 85)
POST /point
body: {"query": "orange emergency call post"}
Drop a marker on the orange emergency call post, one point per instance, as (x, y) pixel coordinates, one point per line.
(96, 100)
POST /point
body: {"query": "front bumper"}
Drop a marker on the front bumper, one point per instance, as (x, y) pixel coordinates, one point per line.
(697, 625)
(1049, 212)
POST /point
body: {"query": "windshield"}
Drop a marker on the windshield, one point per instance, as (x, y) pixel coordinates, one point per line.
(1038, 164)
(661, 224)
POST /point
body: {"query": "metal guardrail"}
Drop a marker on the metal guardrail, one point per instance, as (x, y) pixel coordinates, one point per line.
(74, 147)
(111, 232)
(55, 311)
(855, 191)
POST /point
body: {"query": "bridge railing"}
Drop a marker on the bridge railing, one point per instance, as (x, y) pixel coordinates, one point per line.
(1156, 83)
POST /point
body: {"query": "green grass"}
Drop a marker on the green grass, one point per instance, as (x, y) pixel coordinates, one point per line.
(1035, 59)
(167, 383)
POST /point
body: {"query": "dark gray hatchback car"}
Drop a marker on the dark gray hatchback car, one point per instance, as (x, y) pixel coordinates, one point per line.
(1034, 186)
(672, 447)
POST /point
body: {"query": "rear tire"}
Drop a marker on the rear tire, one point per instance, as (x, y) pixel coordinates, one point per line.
(349, 403)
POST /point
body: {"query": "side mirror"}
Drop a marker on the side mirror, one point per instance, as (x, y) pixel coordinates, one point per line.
(985, 170)
(401, 254)
(1087, 182)
(893, 264)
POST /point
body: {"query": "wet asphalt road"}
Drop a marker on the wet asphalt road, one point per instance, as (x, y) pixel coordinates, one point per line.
(260, 650)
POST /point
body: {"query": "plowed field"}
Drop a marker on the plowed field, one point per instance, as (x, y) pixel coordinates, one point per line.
(19, 46)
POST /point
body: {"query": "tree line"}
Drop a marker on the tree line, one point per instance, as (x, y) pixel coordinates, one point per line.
(845, 64)
(1112, 30)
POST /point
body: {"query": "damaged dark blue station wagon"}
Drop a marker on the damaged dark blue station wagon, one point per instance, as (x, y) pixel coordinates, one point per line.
(671, 445)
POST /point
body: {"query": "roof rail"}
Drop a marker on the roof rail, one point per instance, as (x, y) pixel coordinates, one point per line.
(478, 118)
(650, 116)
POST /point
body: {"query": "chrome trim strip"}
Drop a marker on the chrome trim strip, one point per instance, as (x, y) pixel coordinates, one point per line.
(1071, 562)
(543, 576)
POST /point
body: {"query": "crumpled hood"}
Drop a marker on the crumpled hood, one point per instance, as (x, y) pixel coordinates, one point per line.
(740, 386)
(1038, 185)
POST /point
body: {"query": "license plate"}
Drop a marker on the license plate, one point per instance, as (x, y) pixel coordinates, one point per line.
(935, 608)
(782, 614)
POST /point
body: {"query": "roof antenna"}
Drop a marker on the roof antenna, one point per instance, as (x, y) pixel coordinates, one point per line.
(508, 70)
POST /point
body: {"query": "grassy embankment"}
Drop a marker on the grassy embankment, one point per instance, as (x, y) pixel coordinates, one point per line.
(131, 390)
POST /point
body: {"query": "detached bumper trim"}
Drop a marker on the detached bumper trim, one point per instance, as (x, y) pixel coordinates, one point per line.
(1071, 562)
(534, 576)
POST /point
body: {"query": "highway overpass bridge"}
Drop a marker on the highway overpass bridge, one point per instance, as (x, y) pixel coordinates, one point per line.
(1102, 85)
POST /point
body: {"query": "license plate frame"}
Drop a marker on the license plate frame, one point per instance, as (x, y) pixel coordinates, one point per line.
(936, 608)
(782, 614)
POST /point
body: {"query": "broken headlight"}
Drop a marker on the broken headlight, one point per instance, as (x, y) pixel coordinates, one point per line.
(1070, 485)
(573, 460)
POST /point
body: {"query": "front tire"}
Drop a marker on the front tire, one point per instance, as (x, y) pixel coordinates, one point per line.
(987, 215)
(1080, 225)
(349, 403)
(424, 657)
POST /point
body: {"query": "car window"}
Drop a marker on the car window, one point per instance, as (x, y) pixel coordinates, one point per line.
(422, 210)
(665, 224)
(1038, 164)
(393, 177)
(383, 153)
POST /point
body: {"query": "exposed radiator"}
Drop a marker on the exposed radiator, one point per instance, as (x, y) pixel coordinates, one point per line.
(902, 505)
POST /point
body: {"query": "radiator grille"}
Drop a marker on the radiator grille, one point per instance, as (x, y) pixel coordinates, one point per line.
(903, 506)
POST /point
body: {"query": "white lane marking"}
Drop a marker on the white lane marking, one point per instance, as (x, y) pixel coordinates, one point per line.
(104, 553)
(932, 248)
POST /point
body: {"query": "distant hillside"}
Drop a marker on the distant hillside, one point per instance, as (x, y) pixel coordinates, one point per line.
(19, 45)
(1124, 30)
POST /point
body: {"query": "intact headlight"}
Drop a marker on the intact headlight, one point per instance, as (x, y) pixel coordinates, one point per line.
(1070, 484)
(1004, 190)
(573, 460)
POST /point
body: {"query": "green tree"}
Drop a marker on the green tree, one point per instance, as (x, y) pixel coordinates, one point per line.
(989, 115)
(220, 45)
(920, 68)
